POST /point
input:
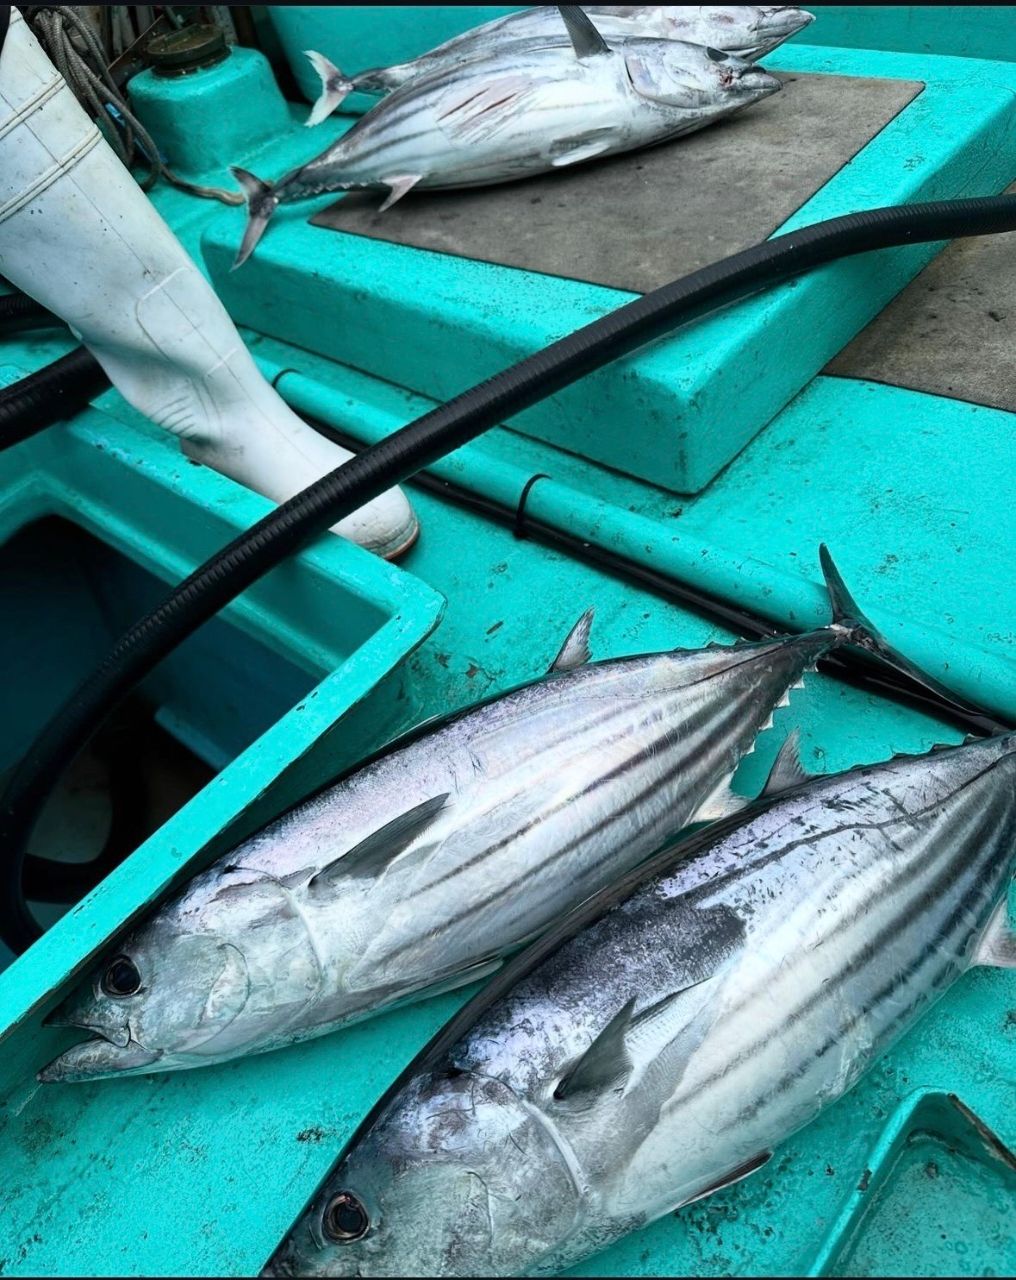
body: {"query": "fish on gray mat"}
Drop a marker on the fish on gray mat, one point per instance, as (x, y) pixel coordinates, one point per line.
(659, 1043)
(514, 114)
(747, 31)
(425, 866)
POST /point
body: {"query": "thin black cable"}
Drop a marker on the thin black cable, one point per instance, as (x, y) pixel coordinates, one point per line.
(519, 523)
(853, 666)
(446, 428)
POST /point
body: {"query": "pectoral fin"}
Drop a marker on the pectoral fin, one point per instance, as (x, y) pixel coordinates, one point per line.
(664, 1028)
(668, 1031)
(605, 1064)
(380, 848)
(997, 946)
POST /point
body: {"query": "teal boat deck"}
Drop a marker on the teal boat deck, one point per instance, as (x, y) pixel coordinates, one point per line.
(723, 456)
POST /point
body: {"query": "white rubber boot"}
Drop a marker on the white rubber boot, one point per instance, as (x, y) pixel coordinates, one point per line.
(79, 236)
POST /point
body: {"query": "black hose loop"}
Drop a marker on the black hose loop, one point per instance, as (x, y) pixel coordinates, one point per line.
(420, 444)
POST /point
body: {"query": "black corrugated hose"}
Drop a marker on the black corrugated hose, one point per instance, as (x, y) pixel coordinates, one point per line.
(52, 394)
(19, 312)
(418, 445)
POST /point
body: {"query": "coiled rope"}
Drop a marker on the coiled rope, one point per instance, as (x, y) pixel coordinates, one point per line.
(76, 50)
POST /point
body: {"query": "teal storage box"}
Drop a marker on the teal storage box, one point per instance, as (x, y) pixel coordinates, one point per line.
(292, 683)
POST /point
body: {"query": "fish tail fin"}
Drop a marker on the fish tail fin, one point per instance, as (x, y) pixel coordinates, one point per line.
(847, 613)
(856, 628)
(262, 202)
(334, 87)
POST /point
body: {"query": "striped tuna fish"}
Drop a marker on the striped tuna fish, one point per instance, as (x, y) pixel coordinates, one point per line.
(659, 1043)
(429, 863)
(745, 30)
(529, 109)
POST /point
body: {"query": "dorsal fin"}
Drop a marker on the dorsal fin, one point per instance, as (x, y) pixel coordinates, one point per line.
(787, 770)
(997, 946)
(381, 846)
(586, 40)
(575, 650)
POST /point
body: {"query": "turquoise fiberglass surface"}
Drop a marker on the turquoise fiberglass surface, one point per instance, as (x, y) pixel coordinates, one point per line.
(699, 397)
(201, 1173)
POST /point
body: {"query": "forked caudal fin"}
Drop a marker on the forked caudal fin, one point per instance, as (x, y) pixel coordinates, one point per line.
(334, 87)
(848, 616)
(847, 613)
(261, 204)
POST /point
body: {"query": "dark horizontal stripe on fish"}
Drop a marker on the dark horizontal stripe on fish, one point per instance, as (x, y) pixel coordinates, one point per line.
(863, 957)
(931, 950)
(742, 868)
(616, 713)
(595, 830)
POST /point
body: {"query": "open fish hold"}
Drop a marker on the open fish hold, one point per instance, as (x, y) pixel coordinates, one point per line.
(747, 31)
(422, 868)
(528, 109)
(655, 1046)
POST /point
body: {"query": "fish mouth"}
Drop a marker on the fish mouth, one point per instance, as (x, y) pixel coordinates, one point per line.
(783, 21)
(279, 1264)
(757, 82)
(62, 1016)
(109, 1051)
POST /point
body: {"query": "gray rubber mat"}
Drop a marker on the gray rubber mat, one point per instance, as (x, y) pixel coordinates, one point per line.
(951, 332)
(637, 221)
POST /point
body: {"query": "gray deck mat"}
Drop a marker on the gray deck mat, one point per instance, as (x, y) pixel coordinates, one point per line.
(951, 332)
(637, 221)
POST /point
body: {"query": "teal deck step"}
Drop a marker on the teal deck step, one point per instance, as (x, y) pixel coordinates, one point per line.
(677, 413)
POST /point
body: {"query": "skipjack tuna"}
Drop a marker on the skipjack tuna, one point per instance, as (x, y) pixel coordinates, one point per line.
(514, 114)
(661, 1041)
(426, 865)
(747, 31)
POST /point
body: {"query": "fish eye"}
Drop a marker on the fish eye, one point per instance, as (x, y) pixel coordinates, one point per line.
(345, 1218)
(121, 978)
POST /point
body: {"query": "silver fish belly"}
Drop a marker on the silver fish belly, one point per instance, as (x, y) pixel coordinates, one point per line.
(513, 115)
(747, 31)
(426, 865)
(676, 1030)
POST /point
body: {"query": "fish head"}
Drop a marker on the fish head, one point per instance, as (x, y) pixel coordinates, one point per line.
(455, 1177)
(748, 31)
(697, 79)
(210, 975)
(157, 996)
